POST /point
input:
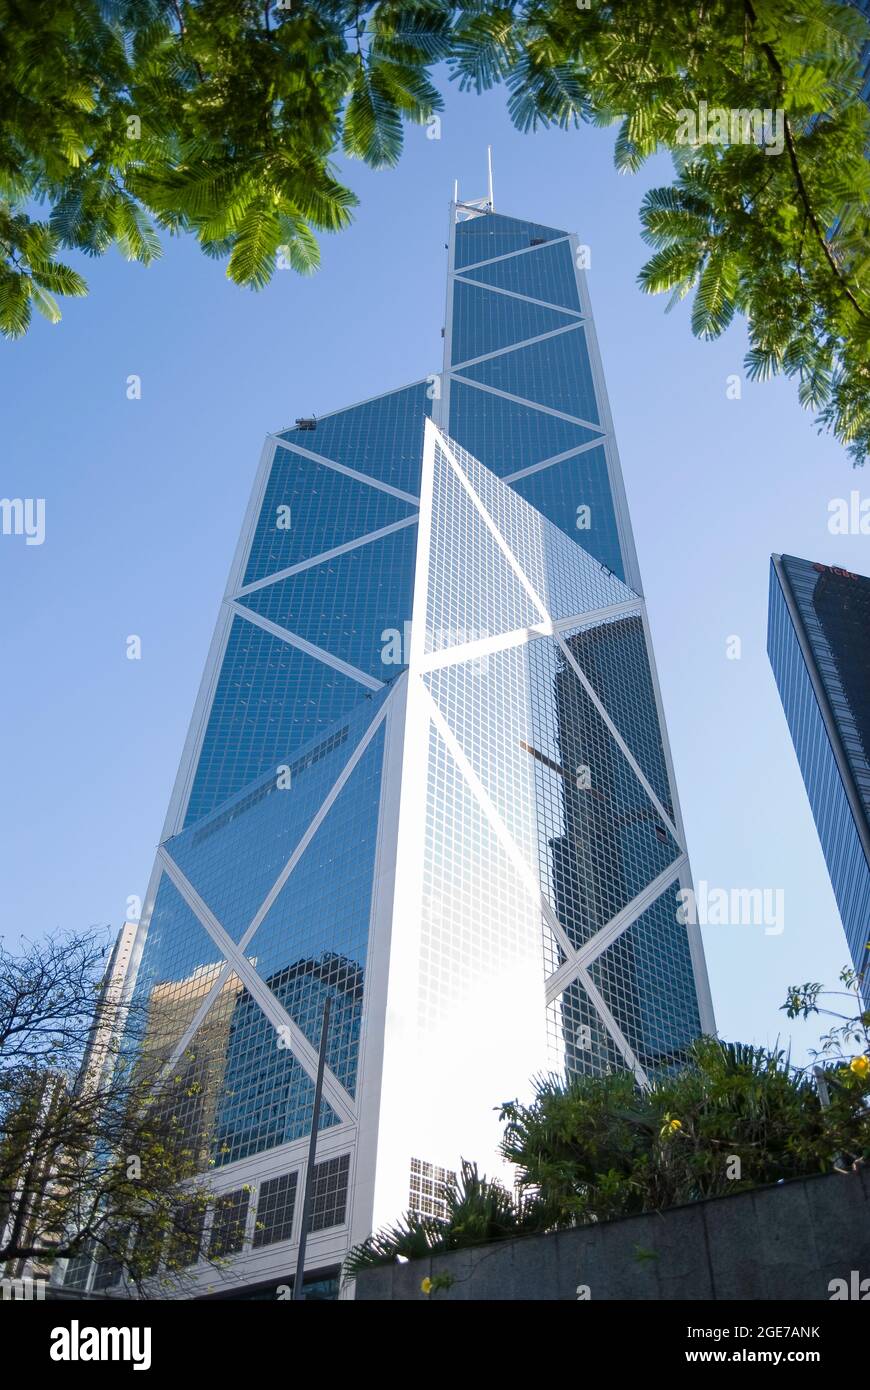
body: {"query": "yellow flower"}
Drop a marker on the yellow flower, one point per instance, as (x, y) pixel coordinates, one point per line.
(860, 1066)
(675, 1125)
(426, 1286)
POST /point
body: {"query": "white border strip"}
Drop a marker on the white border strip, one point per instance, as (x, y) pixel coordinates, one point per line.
(326, 555)
(518, 346)
(555, 459)
(520, 400)
(514, 294)
(523, 250)
(343, 468)
(319, 653)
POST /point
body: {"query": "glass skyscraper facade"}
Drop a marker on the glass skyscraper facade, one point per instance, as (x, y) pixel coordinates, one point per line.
(426, 777)
(819, 647)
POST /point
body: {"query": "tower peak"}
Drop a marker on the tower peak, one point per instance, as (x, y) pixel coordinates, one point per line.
(475, 207)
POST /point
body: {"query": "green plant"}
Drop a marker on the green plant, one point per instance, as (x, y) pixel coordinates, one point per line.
(478, 1210)
(733, 1117)
(221, 118)
(592, 1149)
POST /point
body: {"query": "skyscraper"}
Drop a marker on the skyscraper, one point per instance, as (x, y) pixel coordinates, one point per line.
(818, 641)
(426, 776)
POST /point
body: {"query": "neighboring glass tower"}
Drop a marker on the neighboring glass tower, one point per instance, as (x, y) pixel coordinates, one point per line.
(427, 777)
(819, 646)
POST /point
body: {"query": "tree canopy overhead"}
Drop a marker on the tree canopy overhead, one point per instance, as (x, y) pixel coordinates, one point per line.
(222, 118)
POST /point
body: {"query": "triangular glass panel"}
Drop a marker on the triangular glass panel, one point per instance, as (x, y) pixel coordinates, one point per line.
(555, 373)
(176, 973)
(309, 508)
(580, 1042)
(234, 855)
(546, 273)
(264, 1097)
(188, 1097)
(570, 800)
(269, 700)
(485, 703)
(507, 436)
(345, 605)
(566, 578)
(612, 842)
(614, 658)
(646, 979)
(473, 592)
(575, 495)
(381, 437)
(476, 908)
(313, 941)
(480, 238)
(487, 322)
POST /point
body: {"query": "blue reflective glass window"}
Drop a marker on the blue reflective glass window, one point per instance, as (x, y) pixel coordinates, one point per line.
(344, 605)
(276, 1206)
(834, 607)
(506, 436)
(234, 856)
(266, 1097)
(647, 981)
(565, 577)
(485, 321)
(614, 659)
(179, 965)
(381, 437)
(560, 491)
(325, 509)
(314, 939)
(480, 238)
(473, 591)
(270, 699)
(831, 807)
(555, 373)
(546, 273)
(614, 842)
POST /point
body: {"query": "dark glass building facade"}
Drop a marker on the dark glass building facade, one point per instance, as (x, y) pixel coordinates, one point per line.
(819, 648)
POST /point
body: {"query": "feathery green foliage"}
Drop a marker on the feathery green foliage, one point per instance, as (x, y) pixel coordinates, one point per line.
(593, 1149)
(478, 1210)
(221, 118)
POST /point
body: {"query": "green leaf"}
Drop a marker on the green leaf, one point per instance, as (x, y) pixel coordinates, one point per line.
(674, 266)
(714, 306)
(412, 34)
(52, 275)
(256, 243)
(15, 307)
(372, 124)
(484, 49)
(762, 363)
(135, 235)
(45, 303)
(67, 215)
(407, 88)
(300, 249)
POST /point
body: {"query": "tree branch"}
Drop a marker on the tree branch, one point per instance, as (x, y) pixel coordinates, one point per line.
(821, 235)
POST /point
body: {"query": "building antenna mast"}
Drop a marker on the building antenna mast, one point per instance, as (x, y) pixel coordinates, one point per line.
(489, 178)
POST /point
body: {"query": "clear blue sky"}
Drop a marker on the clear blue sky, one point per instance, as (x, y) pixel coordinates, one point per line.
(144, 500)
